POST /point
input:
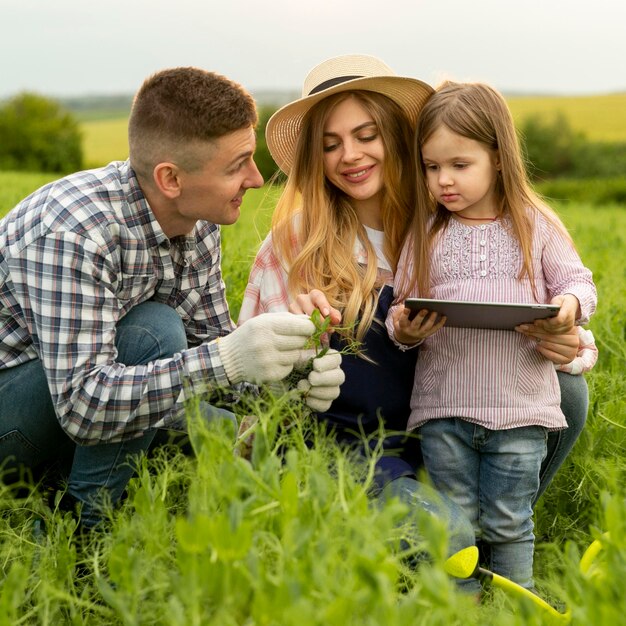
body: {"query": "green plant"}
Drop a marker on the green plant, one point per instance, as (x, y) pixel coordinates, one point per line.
(551, 145)
(262, 156)
(319, 343)
(37, 135)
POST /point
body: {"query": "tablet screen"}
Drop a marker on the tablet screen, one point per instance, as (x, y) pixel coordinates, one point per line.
(492, 315)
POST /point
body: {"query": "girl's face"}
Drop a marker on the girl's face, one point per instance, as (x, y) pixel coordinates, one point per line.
(461, 173)
(354, 152)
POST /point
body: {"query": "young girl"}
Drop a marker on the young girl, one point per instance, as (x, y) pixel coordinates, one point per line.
(484, 400)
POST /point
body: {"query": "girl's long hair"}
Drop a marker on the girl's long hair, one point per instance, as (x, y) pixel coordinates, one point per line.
(314, 226)
(479, 112)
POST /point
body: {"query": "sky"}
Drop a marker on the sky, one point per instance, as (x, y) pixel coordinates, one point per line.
(83, 47)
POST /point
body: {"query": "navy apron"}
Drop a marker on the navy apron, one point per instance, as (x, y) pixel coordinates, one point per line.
(374, 390)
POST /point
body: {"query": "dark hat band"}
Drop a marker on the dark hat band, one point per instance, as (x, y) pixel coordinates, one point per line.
(331, 83)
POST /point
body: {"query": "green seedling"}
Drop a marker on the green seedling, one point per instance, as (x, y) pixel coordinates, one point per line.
(319, 343)
(464, 564)
(319, 339)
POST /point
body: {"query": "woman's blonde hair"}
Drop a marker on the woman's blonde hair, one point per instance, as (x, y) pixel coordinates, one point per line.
(314, 226)
(478, 112)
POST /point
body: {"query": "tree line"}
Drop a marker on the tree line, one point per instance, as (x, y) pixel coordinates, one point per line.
(38, 134)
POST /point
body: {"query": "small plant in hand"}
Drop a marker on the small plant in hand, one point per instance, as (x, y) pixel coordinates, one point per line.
(295, 384)
(319, 342)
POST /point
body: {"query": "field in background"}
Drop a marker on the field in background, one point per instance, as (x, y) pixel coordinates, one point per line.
(104, 140)
(600, 118)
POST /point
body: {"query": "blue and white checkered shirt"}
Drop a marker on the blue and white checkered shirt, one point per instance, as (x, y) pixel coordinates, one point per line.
(75, 257)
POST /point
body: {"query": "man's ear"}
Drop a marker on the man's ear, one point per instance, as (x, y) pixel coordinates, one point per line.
(167, 179)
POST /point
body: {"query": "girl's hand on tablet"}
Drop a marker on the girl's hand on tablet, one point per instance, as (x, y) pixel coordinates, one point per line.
(411, 331)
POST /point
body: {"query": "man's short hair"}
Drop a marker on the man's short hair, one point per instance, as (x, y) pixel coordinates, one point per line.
(177, 109)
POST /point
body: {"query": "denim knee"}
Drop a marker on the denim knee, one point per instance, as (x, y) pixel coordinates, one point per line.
(100, 474)
(149, 331)
(422, 497)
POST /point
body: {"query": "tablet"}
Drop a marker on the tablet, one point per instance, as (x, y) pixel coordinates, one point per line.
(493, 315)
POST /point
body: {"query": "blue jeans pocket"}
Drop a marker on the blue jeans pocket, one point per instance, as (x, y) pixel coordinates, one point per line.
(16, 449)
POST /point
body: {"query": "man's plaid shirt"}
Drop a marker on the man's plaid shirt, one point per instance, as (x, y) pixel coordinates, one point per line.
(75, 257)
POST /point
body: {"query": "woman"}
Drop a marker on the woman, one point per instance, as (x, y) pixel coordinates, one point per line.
(336, 234)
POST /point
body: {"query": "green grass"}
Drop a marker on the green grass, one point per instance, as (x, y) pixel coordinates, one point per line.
(15, 186)
(290, 537)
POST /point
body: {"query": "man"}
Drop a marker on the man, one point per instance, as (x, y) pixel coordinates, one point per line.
(112, 304)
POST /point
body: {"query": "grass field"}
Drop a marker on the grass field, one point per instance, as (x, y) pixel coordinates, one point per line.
(600, 118)
(104, 141)
(14, 186)
(290, 539)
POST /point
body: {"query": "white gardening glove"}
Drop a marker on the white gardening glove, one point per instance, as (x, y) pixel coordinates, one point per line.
(265, 348)
(322, 384)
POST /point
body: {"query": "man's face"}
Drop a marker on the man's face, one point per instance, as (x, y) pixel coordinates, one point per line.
(215, 191)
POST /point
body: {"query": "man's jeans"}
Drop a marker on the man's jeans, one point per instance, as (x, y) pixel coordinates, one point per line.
(493, 475)
(30, 434)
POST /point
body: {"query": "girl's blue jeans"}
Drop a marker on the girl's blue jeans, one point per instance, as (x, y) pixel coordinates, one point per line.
(30, 435)
(493, 475)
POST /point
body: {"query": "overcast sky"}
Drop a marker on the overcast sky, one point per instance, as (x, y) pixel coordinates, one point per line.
(79, 47)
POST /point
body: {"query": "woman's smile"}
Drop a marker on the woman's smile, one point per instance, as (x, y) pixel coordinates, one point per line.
(358, 175)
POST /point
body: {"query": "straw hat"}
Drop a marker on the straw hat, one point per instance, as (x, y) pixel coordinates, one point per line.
(342, 73)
